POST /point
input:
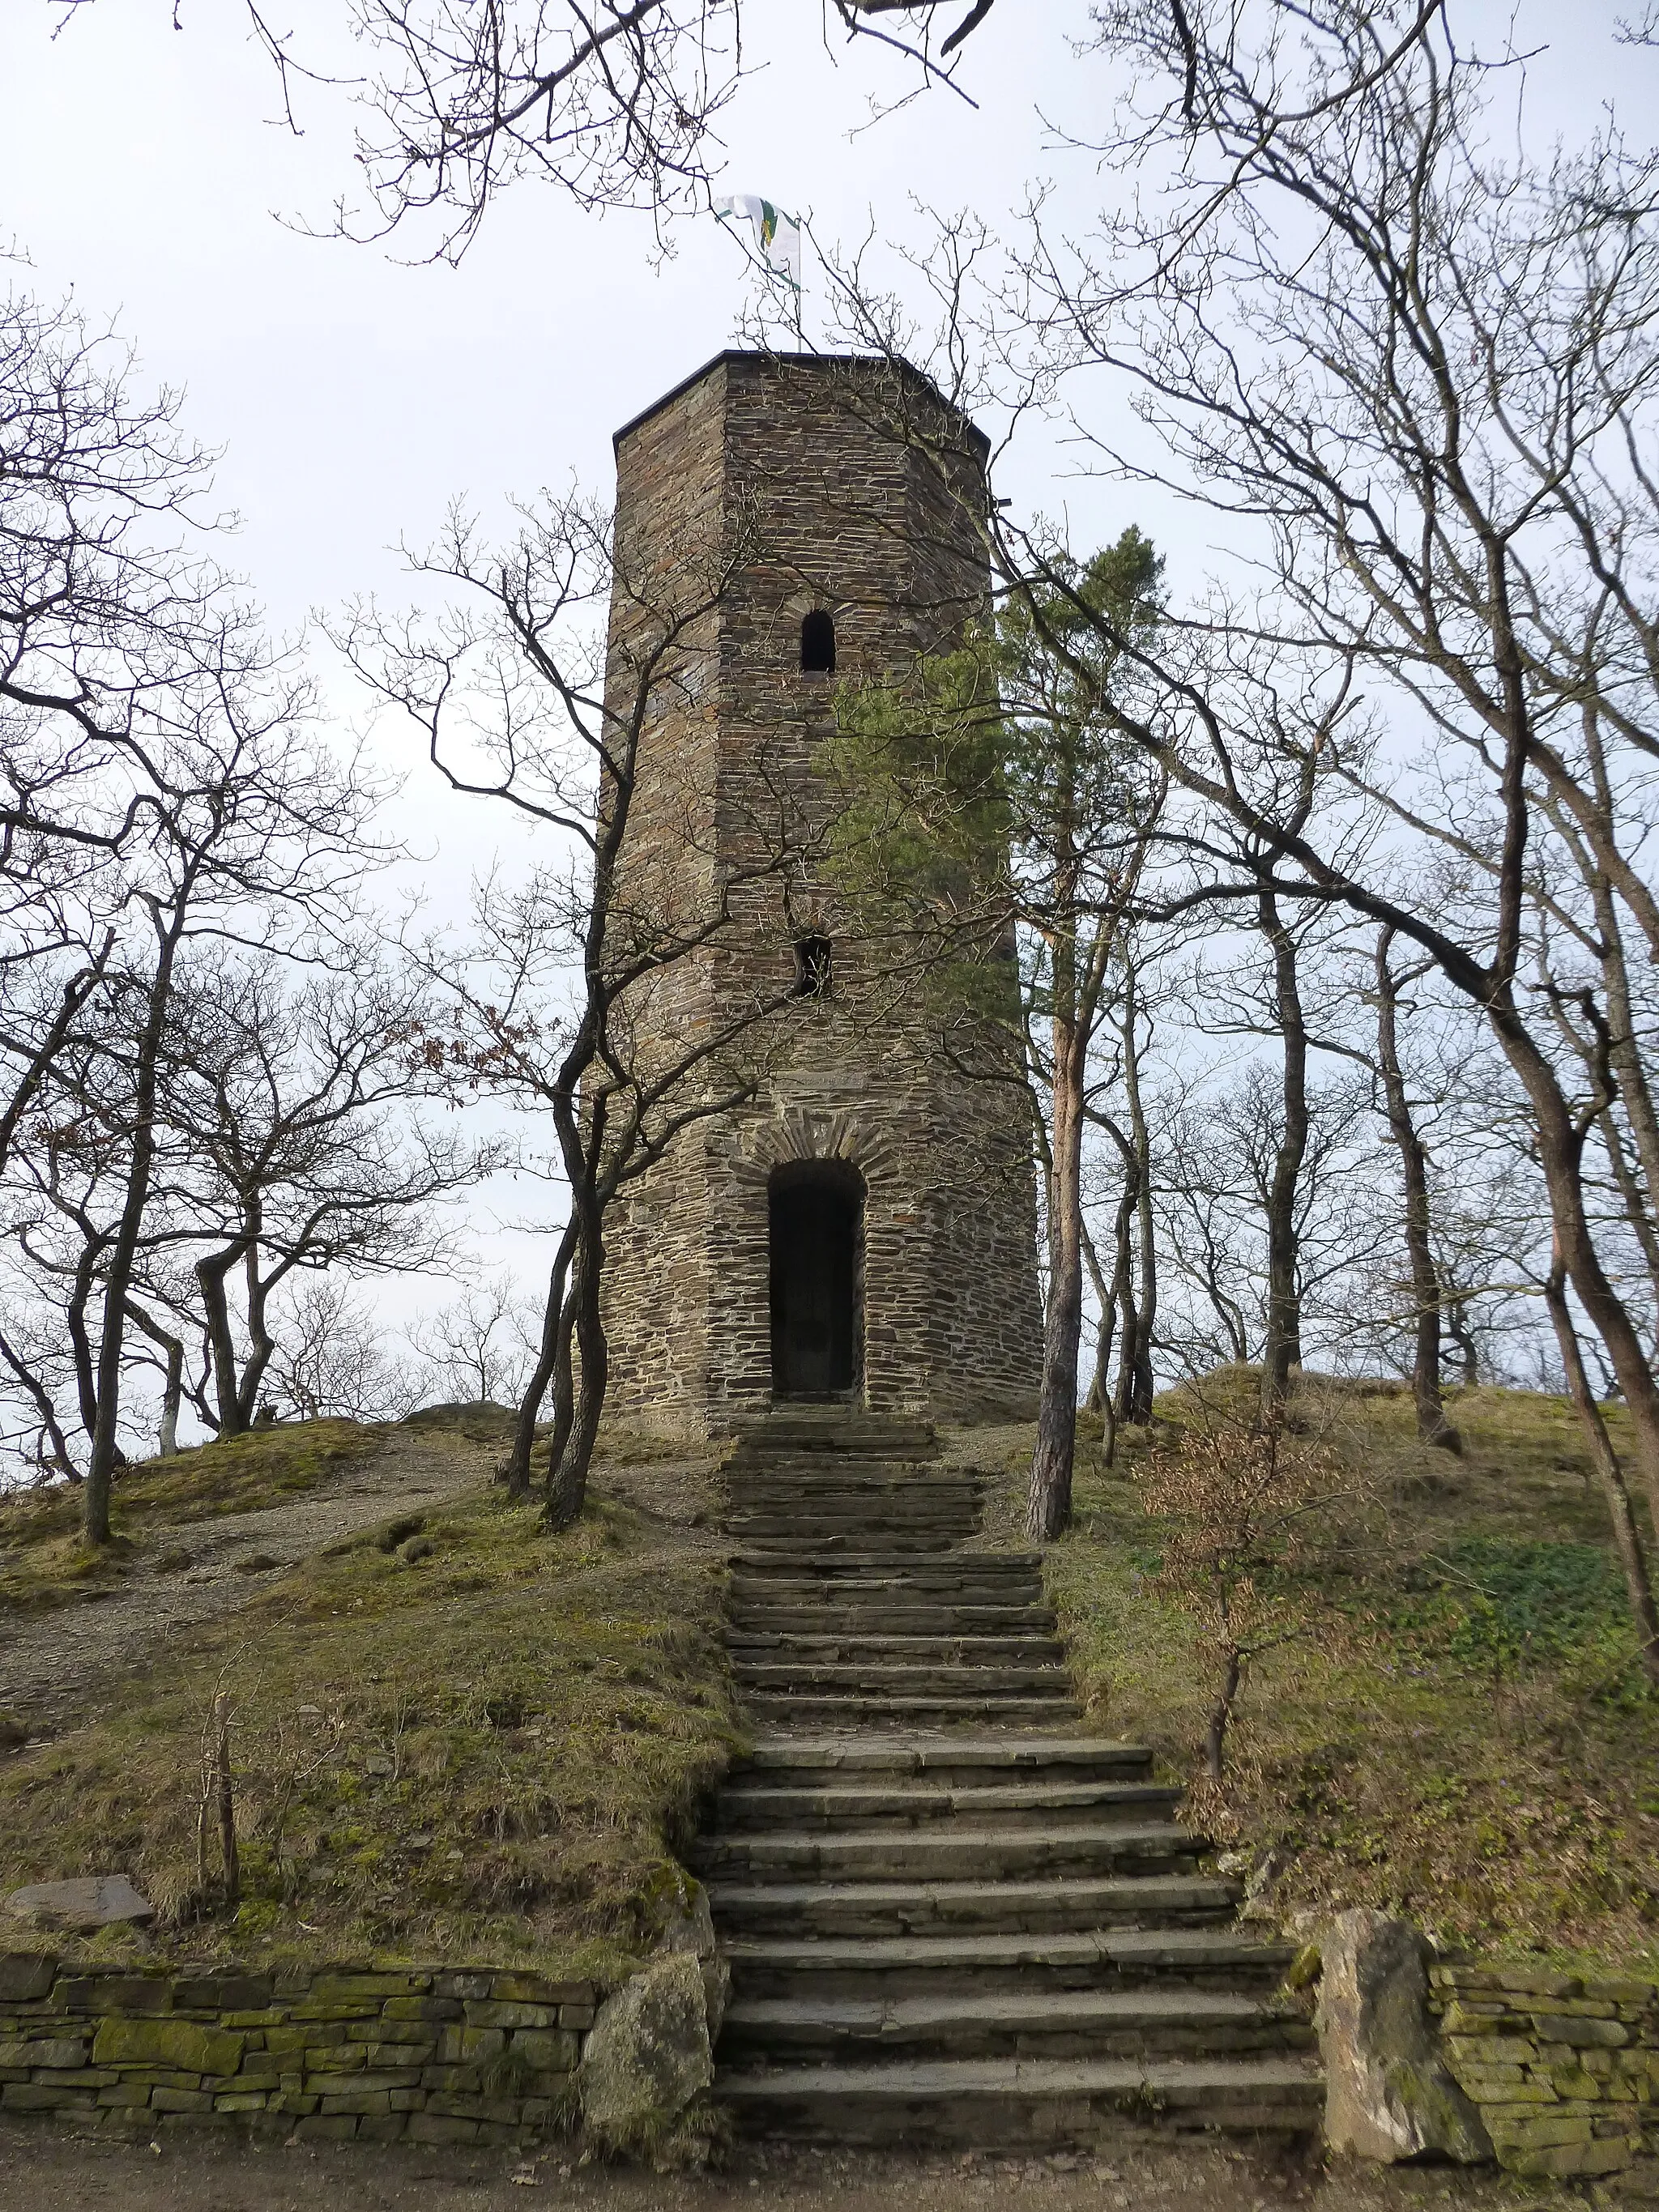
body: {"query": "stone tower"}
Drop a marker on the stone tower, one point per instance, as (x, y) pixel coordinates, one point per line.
(864, 1228)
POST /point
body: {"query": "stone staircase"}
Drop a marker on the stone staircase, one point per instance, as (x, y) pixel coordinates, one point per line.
(952, 1917)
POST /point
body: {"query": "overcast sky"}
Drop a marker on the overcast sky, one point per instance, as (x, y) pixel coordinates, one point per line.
(353, 396)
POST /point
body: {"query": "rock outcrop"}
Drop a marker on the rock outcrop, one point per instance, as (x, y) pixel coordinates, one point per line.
(1388, 2091)
(82, 1906)
(649, 2055)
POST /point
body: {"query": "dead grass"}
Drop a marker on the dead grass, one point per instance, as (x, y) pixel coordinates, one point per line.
(453, 1736)
(44, 1562)
(1473, 1744)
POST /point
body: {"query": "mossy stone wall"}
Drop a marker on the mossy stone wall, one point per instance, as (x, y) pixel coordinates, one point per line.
(1564, 2068)
(433, 2055)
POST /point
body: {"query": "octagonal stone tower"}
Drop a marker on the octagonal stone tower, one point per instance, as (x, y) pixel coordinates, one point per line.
(863, 1231)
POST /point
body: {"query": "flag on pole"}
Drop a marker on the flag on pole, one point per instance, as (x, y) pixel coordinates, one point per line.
(777, 235)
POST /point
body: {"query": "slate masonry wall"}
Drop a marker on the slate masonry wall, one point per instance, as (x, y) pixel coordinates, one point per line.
(1564, 2068)
(443, 2055)
(846, 486)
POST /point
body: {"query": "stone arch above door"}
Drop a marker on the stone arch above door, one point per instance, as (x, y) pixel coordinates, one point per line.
(813, 1133)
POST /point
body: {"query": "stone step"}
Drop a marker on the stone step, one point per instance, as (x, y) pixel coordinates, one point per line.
(1044, 2023)
(960, 1580)
(879, 1676)
(863, 1480)
(853, 1600)
(798, 1709)
(837, 1430)
(754, 1617)
(852, 1549)
(877, 1561)
(811, 1478)
(830, 1534)
(895, 1509)
(986, 1962)
(1006, 2104)
(909, 1805)
(798, 1763)
(949, 1853)
(879, 1528)
(753, 1646)
(1075, 1905)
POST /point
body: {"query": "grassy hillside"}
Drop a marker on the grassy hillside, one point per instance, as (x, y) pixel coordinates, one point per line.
(1467, 1738)
(43, 1561)
(451, 1735)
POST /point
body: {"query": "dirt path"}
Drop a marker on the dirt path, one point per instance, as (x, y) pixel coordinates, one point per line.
(184, 2174)
(55, 1667)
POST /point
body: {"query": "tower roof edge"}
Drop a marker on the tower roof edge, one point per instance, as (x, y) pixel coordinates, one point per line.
(729, 354)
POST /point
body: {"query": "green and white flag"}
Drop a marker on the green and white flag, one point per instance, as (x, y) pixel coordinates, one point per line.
(777, 235)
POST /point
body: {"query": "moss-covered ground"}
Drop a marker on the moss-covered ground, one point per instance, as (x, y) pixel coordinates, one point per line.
(1464, 1735)
(452, 1735)
(44, 1561)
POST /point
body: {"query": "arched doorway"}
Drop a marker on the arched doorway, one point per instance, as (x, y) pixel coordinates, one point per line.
(817, 1212)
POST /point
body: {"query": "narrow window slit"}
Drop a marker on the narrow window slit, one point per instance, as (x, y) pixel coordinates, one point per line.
(811, 967)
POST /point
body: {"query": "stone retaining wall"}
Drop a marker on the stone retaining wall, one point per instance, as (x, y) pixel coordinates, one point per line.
(435, 2056)
(1565, 2069)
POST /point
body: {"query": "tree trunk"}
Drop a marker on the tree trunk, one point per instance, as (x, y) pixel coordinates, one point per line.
(167, 1444)
(1432, 1426)
(1283, 1348)
(568, 1476)
(1560, 1152)
(40, 1398)
(261, 1343)
(1626, 1529)
(555, 1329)
(1142, 1382)
(1050, 1502)
(225, 1796)
(564, 1382)
(1099, 1399)
(212, 1275)
(173, 1387)
(1215, 1734)
(1123, 1283)
(118, 1281)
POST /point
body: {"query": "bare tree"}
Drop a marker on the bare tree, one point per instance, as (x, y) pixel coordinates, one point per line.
(481, 1346)
(520, 702)
(1431, 383)
(161, 783)
(292, 1088)
(331, 1357)
(617, 106)
(983, 797)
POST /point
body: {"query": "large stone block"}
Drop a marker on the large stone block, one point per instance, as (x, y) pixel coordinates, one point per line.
(493, 2012)
(25, 1975)
(84, 1905)
(35, 2097)
(180, 2100)
(1582, 2034)
(549, 2050)
(1389, 2094)
(44, 2051)
(183, 2043)
(114, 1992)
(1567, 2162)
(649, 2053)
(221, 1993)
(439, 2127)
